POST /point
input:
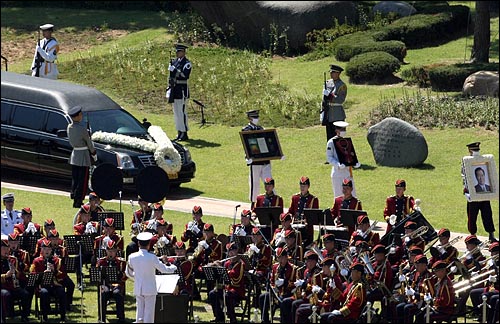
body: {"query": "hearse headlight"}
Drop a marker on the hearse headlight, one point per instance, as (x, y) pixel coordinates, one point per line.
(124, 161)
(187, 156)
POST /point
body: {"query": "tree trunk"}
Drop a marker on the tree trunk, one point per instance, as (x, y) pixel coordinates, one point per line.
(481, 48)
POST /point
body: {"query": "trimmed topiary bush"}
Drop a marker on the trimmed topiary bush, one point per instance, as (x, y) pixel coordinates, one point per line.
(371, 66)
(354, 44)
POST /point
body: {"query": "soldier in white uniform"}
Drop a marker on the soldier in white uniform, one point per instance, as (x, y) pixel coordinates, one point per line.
(339, 171)
(141, 268)
(83, 149)
(10, 216)
(44, 65)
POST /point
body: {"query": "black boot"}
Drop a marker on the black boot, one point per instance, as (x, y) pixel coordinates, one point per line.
(492, 237)
(184, 136)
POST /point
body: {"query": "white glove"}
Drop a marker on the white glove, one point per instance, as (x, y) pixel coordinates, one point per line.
(344, 272)
(105, 240)
(171, 68)
(242, 232)
(427, 298)
(104, 288)
(336, 312)
(491, 263)
(94, 157)
(402, 277)
(357, 165)
(279, 282)
(299, 282)
(254, 248)
(467, 196)
(195, 229)
(331, 283)
(167, 94)
(392, 219)
(341, 166)
(392, 250)
(249, 161)
(492, 279)
(352, 249)
(407, 239)
(316, 289)
(164, 240)
(469, 257)
(279, 239)
(31, 228)
(204, 244)
(171, 268)
(441, 250)
(38, 48)
(326, 92)
(332, 268)
(282, 158)
(410, 292)
(152, 225)
(453, 269)
(89, 229)
(474, 273)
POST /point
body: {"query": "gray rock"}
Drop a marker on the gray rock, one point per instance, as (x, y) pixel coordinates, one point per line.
(396, 143)
(402, 8)
(481, 83)
(252, 19)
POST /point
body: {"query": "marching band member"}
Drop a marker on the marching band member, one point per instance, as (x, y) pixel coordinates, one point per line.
(279, 233)
(323, 295)
(86, 225)
(112, 290)
(150, 225)
(294, 251)
(95, 206)
(399, 204)
(193, 231)
(242, 229)
(55, 241)
(283, 276)
(47, 226)
(345, 201)
(363, 229)
(491, 288)
(306, 279)
(47, 262)
(161, 241)
(447, 254)
(441, 294)
(473, 256)
(185, 266)
(28, 227)
(268, 199)
(414, 293)
(353, 298)
(10, 216)
(108, 232)
(13, 284)
(301, 200)
(408, 241)
(60, 251)
(382, 277)
(139, 217)
(260, 255)
(235, 291)
(329, 250)
(21, 255)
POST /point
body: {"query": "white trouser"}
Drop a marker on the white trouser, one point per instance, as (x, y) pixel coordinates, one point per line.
(338, 176)
(145, 312)
(257, 172)
(180, 115)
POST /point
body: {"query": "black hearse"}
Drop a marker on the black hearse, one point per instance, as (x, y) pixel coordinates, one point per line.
(34, 122)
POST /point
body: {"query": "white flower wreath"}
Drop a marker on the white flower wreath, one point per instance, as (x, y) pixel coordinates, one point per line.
(165, 154)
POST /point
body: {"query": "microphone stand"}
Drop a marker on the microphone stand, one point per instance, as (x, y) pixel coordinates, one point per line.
(101, 221)
(81, 279)
(234, 222)
(268, 279)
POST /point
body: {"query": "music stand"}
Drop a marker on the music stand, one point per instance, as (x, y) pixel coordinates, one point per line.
(118, 224)
(348, 217)
(87, 242)
(95, 275)
(47, 279)
(166, 250)
(111, 274)
(218, 274)
(246, 261)
(28, 242)
(72, 244)
(269, 216)
(243, 241)
(70, 263)
(33, 279)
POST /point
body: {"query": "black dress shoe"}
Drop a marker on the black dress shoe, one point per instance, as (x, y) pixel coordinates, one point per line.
(184, 136)
(77, 204)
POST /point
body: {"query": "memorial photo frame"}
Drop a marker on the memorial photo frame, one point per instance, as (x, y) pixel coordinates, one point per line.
(345, 151)
(261, 145)
(481, 177)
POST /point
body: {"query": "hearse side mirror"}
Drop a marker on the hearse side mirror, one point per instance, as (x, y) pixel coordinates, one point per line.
(62, 133)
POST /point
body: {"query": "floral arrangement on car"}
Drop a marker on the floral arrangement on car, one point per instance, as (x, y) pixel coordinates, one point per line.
(166, 156)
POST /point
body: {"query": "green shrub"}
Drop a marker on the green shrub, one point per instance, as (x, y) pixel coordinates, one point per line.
(452, 77)
(416, 75)
(371, 66)
(348, 46)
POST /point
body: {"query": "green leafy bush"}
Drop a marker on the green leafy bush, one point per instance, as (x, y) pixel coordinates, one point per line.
(351, 45)
(416, 75)
(371, 66)
(452, 77)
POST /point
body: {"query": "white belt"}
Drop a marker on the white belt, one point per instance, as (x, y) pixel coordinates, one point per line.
(81, 148)
(337, 104)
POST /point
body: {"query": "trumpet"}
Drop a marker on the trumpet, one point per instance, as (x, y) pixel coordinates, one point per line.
(416, 233)
(364, 256)
(450, 243)
(482, 245)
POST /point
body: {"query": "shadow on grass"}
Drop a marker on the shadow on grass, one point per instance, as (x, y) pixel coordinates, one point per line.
(183, 193)
(367, 167)
(201, 143)
(425, 166)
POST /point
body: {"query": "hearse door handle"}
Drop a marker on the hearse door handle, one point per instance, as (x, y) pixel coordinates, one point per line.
(46, 142)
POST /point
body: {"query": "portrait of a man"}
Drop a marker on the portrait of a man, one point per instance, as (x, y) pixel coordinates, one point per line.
(482, 185)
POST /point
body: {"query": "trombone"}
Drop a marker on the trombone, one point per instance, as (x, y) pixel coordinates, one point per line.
(468, 283)
(418, 232)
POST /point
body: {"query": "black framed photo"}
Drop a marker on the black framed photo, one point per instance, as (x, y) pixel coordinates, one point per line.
(481, 177)
(345, 151)
(261, 145)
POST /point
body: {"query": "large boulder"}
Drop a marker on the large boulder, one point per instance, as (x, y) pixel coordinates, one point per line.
(481, 83)
(401, 8)
(252, 20)
(396, 143)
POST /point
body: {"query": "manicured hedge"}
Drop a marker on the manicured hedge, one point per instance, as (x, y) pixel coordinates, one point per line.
(348, 46)
(452, 77)
(371, 66)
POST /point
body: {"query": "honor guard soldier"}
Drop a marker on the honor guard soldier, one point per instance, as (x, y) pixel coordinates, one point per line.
(339, 170)
(10, 216)
(283, 275)
(178, 90)
(13, 284)
(258, 170)
(399, 205)
(294, 251)
(364, 230)
(83, 150)
(345, 201)
(483, 206)
(334, 95)
(193, 231)
(444, 250)
(279, 233)
(47, 262)
(300, 201)
(112, 290)
(44, 65)
(353, 298)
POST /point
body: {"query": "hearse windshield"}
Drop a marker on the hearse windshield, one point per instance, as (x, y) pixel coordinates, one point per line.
(114, 121)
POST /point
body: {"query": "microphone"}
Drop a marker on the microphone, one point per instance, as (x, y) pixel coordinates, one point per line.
(237, 206)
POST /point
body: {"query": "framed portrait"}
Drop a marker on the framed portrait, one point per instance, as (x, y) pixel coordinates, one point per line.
(481, 177)
(261, 145)
(345, 151)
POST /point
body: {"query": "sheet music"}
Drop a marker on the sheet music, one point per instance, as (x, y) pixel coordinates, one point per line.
(165, 284)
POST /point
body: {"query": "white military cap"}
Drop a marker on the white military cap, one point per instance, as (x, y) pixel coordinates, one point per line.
(8, 197)
(341, 124)
(74, 110)
(144, 236)
(46, 26)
